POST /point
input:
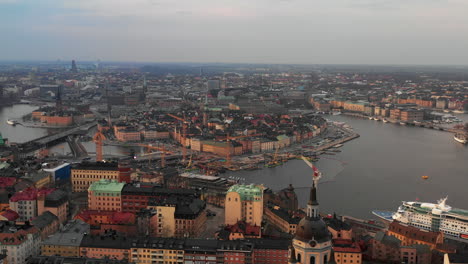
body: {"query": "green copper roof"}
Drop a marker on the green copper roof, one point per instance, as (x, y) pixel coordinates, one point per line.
(106, 186)
(247, 192)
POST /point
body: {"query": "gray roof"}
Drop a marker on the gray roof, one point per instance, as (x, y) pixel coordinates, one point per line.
(44, 220)
(70, 235)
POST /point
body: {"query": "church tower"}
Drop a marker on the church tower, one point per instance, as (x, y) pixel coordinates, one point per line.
(312, 243)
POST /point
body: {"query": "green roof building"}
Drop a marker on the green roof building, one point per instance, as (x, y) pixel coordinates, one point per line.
(244, 203)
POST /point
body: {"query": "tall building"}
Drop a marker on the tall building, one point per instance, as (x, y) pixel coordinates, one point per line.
(105, 195)
(73, 66)
(84, 174)
(244, 203)
(312, 243)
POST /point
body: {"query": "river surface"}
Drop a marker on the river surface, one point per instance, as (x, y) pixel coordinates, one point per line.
(379, 170)
(376, 171)
(19, 133)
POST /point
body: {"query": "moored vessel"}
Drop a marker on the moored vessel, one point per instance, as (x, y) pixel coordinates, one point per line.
(12, 122)
(461, 137)
(437, 217)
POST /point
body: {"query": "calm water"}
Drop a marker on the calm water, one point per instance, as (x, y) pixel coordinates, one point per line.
(379, 170)
(18, 133)
(376, 171)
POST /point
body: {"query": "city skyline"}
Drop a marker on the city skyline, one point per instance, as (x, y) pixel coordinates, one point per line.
(284, 32)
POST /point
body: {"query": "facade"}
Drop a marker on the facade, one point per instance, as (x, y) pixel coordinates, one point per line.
(285, 221)
(25, 202)
(105, 246)
(410, 235)
(127, 135)
(346, 251)
(101, 222)
(244, 202)
(105, 195)
(136, 196)
(177, 216)
(46, 223)
(411, 115)
(84, 174)
(66, 242)
(55, 202)
(19, 242)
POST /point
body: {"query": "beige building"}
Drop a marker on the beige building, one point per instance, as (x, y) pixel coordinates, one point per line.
(83, 175)
(244, 202)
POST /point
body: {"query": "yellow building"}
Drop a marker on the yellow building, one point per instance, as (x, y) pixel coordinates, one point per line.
(346, 251)
(163, 225)
(157, 250)
(84, 174)
(66, 242)
(244, 202)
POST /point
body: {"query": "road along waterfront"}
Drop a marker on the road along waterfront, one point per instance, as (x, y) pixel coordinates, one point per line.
(378, 170)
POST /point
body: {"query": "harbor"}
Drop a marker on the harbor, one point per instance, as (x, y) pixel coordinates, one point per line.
(377, 166)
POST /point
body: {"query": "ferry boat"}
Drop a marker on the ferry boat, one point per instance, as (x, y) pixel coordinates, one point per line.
(12, 122)
(462, 138)
(453, 222)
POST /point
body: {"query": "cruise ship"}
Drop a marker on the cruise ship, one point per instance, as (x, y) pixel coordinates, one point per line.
(452, 222)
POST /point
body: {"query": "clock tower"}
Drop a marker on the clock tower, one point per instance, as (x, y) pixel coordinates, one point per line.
(312, 243)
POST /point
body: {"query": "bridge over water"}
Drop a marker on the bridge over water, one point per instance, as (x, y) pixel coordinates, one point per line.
(50, 140)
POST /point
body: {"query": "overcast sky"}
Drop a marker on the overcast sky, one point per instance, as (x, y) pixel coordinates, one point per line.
(256, 31)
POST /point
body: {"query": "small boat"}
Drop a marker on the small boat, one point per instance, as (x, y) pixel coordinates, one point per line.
(385, 120)
(12, 122)
(403, 123)
(425, 177)
(462, 138)
(371, 118)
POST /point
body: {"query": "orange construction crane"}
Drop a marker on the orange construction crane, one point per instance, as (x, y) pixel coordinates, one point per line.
(184, 135)
(228, 138)
(163, 152)
(98, 139)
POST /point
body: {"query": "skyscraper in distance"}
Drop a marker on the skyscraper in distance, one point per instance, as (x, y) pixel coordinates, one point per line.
(73, 66)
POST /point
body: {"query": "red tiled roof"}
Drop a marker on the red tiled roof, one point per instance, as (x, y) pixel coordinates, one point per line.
(345, 245)
(9, 215)
(114, 217)
(16, 238)
(244, 228)
(7, 181)
(30, 194)
(414, 232)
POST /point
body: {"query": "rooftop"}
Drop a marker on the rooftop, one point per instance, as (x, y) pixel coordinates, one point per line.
(108, 166)
(44, 220)
(105, 185)
(247, 192)
(69, 235)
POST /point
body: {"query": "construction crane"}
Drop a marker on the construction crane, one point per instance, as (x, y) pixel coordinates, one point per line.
(163, 152)
(184, 135)
(317, 174)
(228, 138)
(98, 139)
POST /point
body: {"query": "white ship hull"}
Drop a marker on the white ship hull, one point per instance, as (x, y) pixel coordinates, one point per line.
(11, 122)
(452, 222)
(461, 140)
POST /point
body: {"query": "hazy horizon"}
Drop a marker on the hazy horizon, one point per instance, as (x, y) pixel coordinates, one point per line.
(327, 32)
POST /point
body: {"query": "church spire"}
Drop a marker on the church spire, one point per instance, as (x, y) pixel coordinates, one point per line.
(312, 205)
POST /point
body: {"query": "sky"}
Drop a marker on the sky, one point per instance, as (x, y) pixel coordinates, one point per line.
(422, 32)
